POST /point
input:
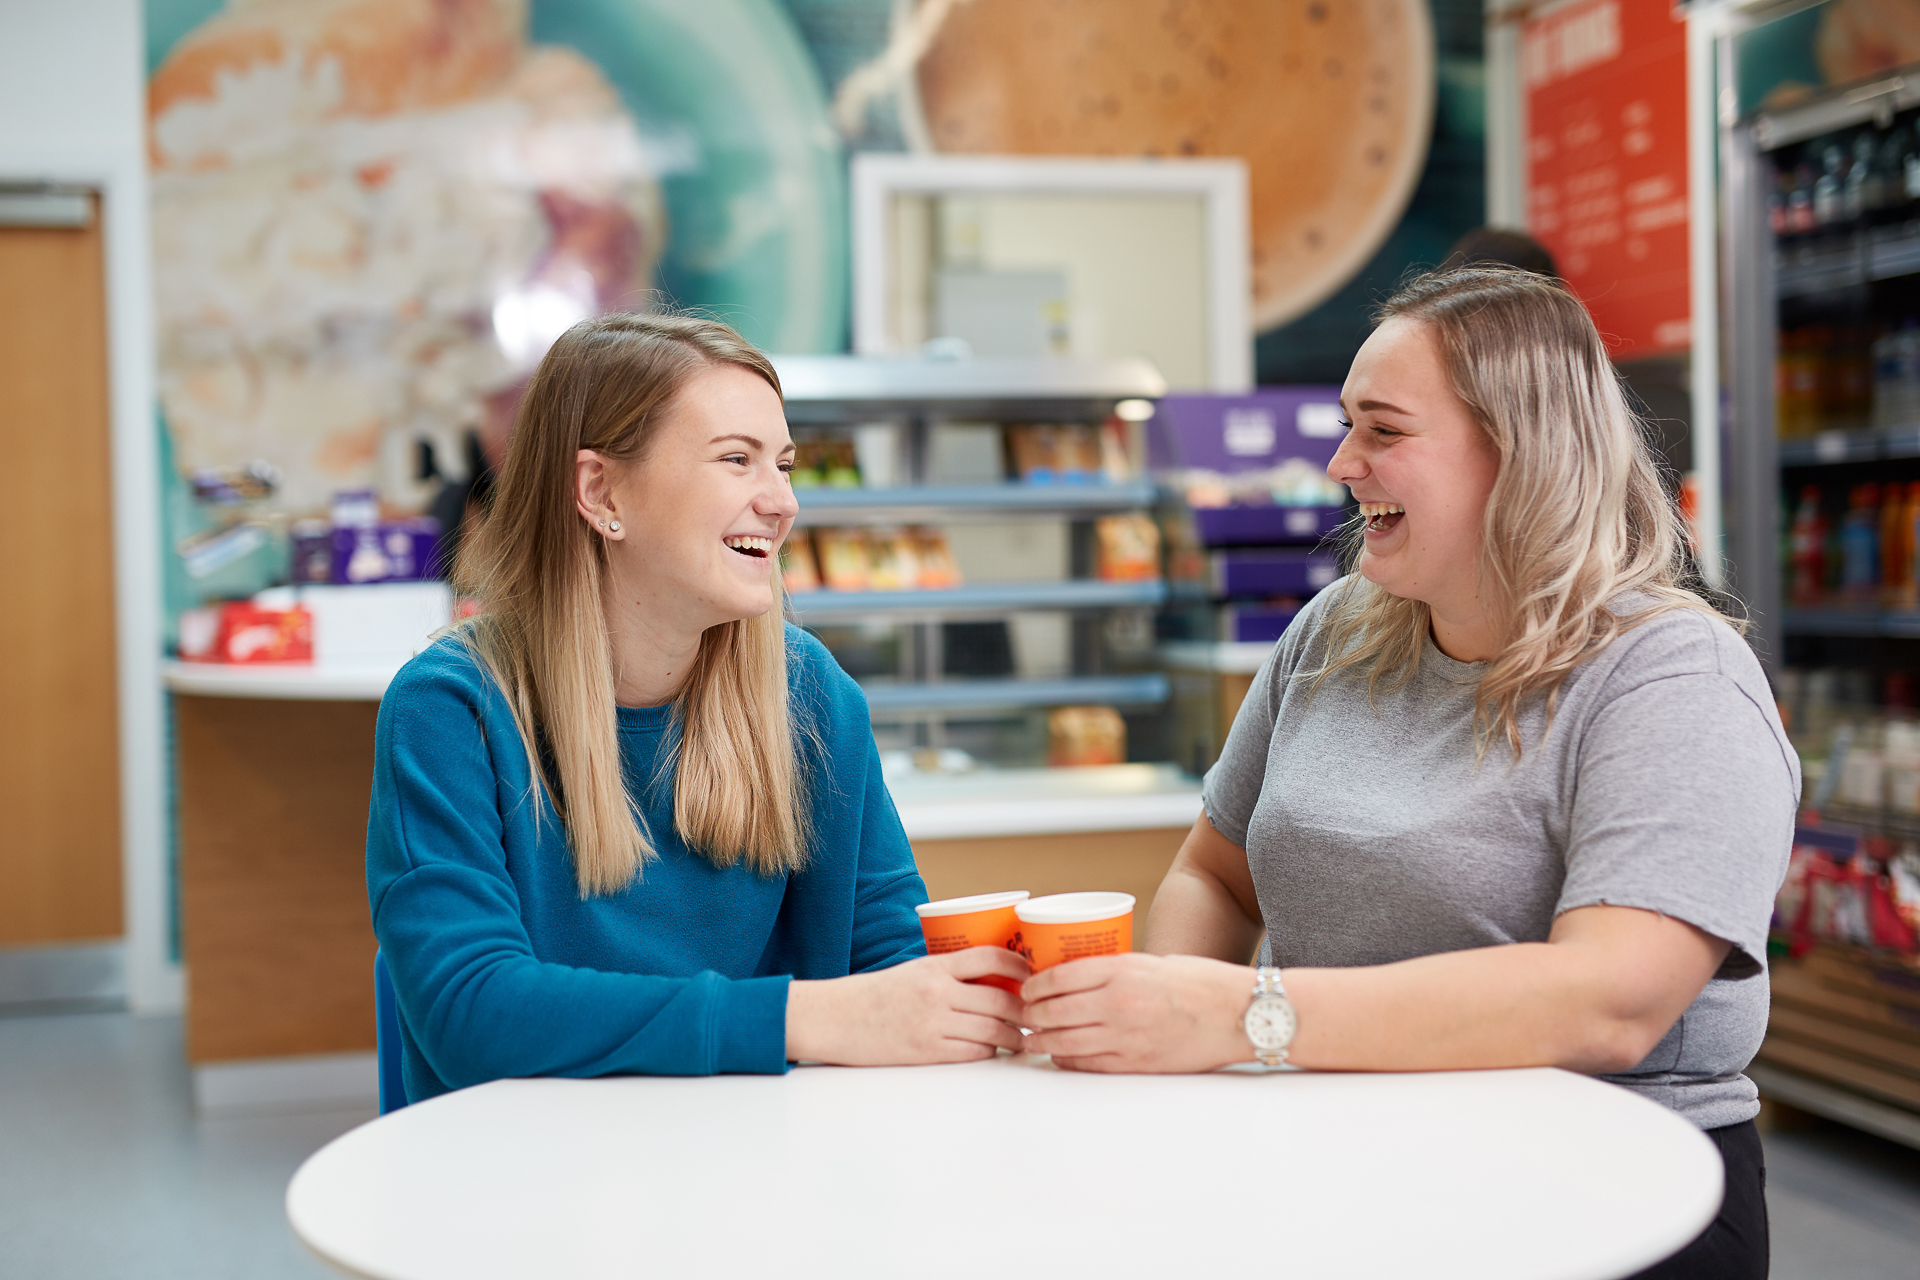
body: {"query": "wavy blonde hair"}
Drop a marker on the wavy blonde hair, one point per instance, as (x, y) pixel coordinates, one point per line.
(541, 572)
(1577, 515)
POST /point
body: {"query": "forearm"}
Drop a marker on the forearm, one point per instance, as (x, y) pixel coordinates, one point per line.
(1526, 1004)
(1194, 914)
(1206, 906)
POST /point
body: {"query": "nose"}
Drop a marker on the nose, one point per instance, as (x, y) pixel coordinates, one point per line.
(1347, 465)
(777, 498)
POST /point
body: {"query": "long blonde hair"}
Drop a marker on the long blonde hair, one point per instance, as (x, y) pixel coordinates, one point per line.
(540, 572)
(1577, 515)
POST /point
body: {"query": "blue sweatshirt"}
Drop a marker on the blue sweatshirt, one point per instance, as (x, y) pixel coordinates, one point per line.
(501, 969)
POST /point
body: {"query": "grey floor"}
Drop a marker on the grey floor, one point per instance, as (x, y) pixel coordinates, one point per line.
(106, 1173)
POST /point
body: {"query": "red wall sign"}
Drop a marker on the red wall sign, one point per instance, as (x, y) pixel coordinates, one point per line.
(1606, 86)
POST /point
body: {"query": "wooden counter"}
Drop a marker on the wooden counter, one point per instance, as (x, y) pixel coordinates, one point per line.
(275, 769)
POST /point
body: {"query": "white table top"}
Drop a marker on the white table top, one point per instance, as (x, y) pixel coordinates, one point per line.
(1010, 1168)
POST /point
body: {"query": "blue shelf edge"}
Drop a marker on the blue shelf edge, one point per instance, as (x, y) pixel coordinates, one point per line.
(1851, 622)
(967, 695)
(1832, 448)
(1078, 594)
(818, 505)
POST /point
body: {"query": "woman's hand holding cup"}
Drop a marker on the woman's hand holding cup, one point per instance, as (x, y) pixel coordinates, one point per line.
(1138, 1012)
(924, 1011)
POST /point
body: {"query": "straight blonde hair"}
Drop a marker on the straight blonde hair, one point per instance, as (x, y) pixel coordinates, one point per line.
(540, 573)
(1577, 516)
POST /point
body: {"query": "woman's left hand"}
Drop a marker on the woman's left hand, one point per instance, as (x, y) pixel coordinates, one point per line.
(1139, 1012)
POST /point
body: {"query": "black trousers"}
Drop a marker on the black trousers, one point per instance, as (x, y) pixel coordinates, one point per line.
(1734, 1245)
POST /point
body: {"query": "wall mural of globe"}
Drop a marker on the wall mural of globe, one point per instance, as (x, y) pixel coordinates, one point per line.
(371, 216)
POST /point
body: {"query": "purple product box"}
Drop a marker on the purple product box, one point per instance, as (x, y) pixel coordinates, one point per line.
(397, 551)
(1253, 432)
(1256, 622)
(1266, 526)
(1260, 574)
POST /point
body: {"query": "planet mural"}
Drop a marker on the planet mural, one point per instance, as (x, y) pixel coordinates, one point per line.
(371, 217)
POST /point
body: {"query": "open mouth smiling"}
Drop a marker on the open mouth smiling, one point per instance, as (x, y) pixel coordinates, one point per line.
(1381, 516)
(747, 545)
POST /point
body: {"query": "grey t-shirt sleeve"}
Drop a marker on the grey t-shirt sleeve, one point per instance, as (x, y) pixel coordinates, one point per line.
(1684, 804)
(1231, 788)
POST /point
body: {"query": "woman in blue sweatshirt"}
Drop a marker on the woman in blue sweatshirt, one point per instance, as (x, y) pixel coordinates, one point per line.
(626, 819)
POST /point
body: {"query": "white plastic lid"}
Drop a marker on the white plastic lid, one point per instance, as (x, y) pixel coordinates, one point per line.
(978, 902)
(1074, 908)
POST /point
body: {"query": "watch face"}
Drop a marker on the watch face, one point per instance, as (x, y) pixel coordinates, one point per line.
(1270, 1023)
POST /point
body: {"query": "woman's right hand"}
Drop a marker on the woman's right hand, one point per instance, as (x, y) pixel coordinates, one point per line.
(922, 1011)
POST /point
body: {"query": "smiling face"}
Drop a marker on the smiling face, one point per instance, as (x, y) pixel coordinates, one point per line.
(1421, 469)
(703, 511)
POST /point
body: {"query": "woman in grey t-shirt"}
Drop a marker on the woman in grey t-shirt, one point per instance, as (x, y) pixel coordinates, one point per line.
(1509, 795)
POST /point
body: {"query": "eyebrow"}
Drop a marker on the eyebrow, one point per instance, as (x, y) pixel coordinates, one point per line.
(747, 439)
(1376, 406)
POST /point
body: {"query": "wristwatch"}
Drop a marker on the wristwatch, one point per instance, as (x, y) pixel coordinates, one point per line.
(1270, 1021)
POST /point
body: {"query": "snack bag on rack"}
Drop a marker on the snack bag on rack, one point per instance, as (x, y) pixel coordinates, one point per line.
(1903, 884)
(797, 567)
(892, 566)
(1128, 548)
(1036, 452)
(934, 557)
(1081, 736)
(843, 558)
(1884, 920)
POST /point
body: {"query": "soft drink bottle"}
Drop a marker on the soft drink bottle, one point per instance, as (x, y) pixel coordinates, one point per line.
(1896, 546)
(1809, 549)
(1908, 594)
(1860, 546)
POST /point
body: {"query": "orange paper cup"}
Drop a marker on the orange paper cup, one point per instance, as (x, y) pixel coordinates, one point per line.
(984, 920)
(1072, 926)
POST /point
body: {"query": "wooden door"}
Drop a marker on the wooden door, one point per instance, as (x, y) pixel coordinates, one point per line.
(60, 870)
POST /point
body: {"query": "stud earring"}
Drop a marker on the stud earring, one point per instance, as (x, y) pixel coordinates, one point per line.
(601, 523)
(614, 527)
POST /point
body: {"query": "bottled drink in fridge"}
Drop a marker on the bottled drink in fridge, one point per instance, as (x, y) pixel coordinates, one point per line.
(1808, 542)
(1827, 188)
(1896, 376)
(1860, 546)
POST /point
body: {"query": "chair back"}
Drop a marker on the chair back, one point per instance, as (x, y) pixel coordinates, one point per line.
(386, 1010)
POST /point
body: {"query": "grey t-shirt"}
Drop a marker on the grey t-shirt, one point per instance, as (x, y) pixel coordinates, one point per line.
(1664, 782)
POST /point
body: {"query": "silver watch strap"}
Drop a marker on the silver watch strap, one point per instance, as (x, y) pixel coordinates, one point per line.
(1266, 982)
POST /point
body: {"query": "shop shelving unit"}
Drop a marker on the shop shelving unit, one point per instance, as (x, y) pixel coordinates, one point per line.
(917, 703)
(1844, 1037)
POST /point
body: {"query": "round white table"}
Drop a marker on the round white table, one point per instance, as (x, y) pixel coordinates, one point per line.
(1013, 1167)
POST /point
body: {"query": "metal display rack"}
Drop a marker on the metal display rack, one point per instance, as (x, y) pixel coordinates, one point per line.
(914, 395)
(1841, 1041)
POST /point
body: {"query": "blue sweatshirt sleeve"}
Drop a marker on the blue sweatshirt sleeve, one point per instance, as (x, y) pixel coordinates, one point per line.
(886, 931)
(479, 1004)
(854, 811)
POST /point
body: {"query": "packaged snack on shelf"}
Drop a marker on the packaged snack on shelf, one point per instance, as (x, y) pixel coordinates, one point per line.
(839, 465)
(1127, 548)
(1903, 884)
(806, 464)
(1116, 458)
(312, 551)
(797, 567)
(891, 564)
(1079, 736)
(243, 632)
(843, 558)
(1077, 453)
(1035, 449)
(938, 569)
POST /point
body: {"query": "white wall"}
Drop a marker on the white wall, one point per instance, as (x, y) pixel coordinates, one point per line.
(72, 90)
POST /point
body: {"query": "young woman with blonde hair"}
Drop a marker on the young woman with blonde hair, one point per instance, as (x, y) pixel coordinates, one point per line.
(626, 819)
(1510, 795)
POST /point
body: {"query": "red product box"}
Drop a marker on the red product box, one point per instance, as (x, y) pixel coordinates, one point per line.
(248, 633)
